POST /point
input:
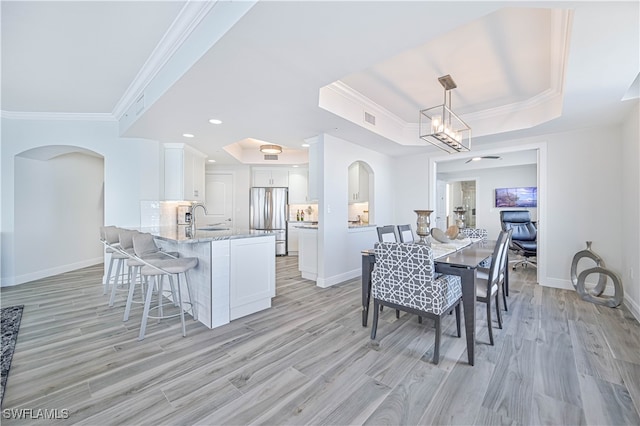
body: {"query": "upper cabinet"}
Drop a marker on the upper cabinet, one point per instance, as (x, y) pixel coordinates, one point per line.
(358, 183)
(298, 186)
(184, 173)
(270, 177)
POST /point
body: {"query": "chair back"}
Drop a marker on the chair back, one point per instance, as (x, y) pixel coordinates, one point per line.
(520, 222)
(387, 234)
(497, 260)
(404, 275)
(405, 233)
(475, 233)
(144, 245)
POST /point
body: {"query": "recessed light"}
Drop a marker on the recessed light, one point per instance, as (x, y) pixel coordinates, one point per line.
(295, 165)
(306, 145)
(187, 135)
(211, 161)
(215, 121)
(476, 159)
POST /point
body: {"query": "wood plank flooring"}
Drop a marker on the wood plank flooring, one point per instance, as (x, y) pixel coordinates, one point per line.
(308, 360)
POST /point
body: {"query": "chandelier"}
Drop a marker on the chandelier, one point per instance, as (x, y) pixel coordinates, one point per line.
(442, 127)
(271, 149)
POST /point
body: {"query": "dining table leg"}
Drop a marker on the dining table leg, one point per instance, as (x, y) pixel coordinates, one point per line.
(367, 266)
(469, 305)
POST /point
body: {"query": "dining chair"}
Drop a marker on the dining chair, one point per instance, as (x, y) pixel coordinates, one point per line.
(405, 233)
(110, 237)
(488, 284)
(387, 234)
(474, 234)
(404, 279)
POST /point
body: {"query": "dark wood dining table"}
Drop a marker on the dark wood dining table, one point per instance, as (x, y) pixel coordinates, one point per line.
(463, 263)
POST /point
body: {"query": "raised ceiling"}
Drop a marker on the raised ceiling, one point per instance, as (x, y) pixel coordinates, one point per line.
(522, 68)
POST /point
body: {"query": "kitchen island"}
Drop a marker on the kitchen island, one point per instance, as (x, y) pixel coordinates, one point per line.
(235, 275)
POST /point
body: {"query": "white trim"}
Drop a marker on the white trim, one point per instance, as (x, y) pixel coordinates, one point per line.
(32, 276)
(337, 279)
(57, 116)
(187, 20)
(633, 307)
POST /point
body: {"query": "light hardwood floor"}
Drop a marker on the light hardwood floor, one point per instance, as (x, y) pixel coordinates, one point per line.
(308, 360)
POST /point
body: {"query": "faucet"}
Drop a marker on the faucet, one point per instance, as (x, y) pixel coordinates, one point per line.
(193, 213)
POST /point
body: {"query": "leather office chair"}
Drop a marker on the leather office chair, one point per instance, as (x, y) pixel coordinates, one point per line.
(524, 237)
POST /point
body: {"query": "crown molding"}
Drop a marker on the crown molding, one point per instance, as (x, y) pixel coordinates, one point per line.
(57, 116)
(187, 20)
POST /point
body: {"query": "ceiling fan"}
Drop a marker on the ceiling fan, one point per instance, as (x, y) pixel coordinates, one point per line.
(487, 157)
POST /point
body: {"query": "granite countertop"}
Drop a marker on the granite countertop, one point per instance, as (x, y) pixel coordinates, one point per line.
(184, 233)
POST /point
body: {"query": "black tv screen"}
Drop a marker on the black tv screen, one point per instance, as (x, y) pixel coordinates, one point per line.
(525, 196)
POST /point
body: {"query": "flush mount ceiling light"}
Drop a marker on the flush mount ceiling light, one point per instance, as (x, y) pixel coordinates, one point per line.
(187, 135)
(441, 127)
(215, 121)
(271, 149)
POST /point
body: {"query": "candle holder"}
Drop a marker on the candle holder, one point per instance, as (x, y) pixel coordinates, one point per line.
(423, 225)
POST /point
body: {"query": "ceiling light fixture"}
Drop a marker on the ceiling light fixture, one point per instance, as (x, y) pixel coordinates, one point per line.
(306, 145)
(215, 121)
(271, 149)
(441, 127)
(187, 135)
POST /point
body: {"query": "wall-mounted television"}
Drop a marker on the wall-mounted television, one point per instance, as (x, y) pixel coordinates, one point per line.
(524, 196)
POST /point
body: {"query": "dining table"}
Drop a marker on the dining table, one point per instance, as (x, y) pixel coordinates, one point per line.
(461, 261)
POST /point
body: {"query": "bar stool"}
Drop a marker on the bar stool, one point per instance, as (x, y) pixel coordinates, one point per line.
(125, 238)
(158, 269)
(148, 251)
(109, 236)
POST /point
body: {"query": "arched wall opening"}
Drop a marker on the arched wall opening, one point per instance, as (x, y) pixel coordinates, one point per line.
(58, 208)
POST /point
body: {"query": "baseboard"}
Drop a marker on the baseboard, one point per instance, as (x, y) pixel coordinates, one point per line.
(337, 279)
(32, 276)
(556, 283)
(633, 307)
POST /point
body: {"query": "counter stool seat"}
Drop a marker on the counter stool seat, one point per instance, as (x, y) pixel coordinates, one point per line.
(145, 248)
(171, 268)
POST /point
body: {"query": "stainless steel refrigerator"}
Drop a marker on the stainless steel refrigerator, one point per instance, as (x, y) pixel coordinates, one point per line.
(268, 214)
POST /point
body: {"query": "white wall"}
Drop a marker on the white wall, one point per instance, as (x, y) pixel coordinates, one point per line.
(339, 255)
(59, 204)
(630, 209)
(131, 174)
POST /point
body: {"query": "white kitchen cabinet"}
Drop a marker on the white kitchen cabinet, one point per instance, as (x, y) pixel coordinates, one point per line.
(292, 239)
(251, 275)
(184, 175)
(298, 186)
(270, 177)
(358, 183)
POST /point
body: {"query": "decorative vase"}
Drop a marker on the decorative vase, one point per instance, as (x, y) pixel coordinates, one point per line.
(423, 225)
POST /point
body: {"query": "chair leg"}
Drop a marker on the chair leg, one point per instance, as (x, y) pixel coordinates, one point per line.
(489, 320)
(498, 314)
(419, 320)
(178, 296)
(374, 325)
(127, 309)
(194, 312)
(458, 319)
(436, 348)
(119, 271)
(145, 312)
(107, 282)
(504, 295)
(397, 313)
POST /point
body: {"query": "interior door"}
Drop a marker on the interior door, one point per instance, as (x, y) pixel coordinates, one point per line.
(218, 200)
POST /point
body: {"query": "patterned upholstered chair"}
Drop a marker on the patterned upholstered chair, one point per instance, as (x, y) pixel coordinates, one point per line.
(475, 233)
(404, 278)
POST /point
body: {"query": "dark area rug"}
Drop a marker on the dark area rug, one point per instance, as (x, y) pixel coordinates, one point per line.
(11, 318)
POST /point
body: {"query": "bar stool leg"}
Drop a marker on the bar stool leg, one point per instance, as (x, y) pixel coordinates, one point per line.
(145, 313)
(118, 278)
(107, 282)
(194, 313)
(178, 296)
